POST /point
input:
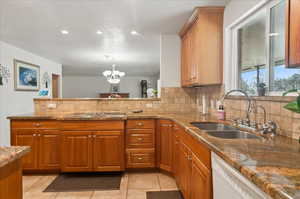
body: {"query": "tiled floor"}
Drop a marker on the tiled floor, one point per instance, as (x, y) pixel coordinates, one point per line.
(133, 186)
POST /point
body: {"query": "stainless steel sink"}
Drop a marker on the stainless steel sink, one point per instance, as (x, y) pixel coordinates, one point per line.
(212, 126)
(232, 135)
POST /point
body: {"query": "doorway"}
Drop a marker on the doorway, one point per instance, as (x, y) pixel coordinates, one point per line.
(55, 86)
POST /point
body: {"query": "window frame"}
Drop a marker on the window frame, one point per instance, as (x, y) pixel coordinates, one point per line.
(231, 54)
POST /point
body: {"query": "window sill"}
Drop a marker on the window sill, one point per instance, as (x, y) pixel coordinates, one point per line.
(266, 98)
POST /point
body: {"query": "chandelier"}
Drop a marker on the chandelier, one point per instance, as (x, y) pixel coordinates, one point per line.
(113, 76)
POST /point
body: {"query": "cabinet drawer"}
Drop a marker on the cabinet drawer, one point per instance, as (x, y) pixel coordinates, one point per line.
(92, 125)
(140, 158)
(34, 124)
(140, 124)
(139, 140)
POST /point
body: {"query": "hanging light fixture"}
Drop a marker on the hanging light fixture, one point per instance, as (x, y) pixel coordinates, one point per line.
(113, 76)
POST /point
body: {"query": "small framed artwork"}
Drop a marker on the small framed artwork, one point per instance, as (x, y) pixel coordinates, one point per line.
(27, 76)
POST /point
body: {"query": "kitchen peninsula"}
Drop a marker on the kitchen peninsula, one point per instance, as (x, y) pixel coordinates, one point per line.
(155, 140)
(11, 172)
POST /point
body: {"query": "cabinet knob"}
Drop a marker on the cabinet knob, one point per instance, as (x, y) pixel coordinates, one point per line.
(37, 124)
(140, 124)
(140, 158)
(89, 136)
(34, 135)
(94, 136)
(140, 139)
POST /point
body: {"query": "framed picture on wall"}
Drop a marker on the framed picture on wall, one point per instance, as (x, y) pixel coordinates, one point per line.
(26, 76)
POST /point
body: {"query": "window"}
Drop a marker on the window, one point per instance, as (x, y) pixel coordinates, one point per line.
(261, 52)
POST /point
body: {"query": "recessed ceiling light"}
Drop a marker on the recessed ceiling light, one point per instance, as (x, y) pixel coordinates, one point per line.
(134, 32)
(64, 32)
(99, 32)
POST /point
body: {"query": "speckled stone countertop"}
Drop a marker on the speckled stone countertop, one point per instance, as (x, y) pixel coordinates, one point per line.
(273, 165)
(10, 154)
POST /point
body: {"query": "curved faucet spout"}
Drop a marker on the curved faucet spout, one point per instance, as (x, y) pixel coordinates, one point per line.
(245, 94)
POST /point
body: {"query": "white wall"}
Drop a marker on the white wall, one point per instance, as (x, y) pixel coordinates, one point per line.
(236, 8)
(170, 73)
(18, 102)
(91, 86)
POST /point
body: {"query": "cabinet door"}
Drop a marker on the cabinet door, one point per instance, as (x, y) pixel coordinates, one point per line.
(184, 61)
(27, 137)
(166, 145)
(176, 159)
(292, 33)
(185, 170)
(108, 151)
(200, 180)
(77, 151)
(49, 149)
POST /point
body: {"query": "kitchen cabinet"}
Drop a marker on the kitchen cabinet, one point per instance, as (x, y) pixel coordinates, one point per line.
(292, 56)
(92, 151)
(166, 145)
(77, 151)
(200, 180)
(27, 137)
(202, 48)
(194, 176)
(108, 151)
(176, 144)
(49, 149)
(140, 143)
(44, 140)
(185, 170)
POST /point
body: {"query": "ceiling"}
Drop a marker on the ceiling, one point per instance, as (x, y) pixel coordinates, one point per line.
(36, 25)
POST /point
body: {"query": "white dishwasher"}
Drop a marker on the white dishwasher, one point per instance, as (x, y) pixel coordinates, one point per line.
(228, 183)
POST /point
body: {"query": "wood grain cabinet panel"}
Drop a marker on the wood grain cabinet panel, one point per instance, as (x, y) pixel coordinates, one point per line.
(166, 145)
(77, 151)
(200, 180)
(202, 48)
(140, 158)
(140, 124)
(108, 151)
(27, 137)
(292, 56)
(140, 138)
(185, 170)
(49, 149)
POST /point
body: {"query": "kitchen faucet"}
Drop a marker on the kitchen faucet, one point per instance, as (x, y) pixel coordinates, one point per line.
(247, 122)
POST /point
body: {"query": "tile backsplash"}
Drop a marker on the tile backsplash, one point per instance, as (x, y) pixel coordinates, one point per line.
(182, 100)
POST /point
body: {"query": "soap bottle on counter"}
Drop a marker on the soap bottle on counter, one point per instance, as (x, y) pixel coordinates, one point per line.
(221, 113)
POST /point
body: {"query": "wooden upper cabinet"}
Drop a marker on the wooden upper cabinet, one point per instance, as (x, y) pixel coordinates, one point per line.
(49, 149)
(293, 33)
(77, 151)
(202, 48)
(108, 151)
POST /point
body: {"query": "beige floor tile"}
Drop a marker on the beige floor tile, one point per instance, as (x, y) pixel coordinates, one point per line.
(107, 195)
(75, 195)
(28, 181)
(166, 182)
(41, 184)
(143, 181)
(136, 194)
(39, 195)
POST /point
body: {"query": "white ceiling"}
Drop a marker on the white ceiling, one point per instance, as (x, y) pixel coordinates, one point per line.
(35, 25)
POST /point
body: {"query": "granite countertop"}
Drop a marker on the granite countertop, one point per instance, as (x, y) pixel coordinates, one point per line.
(10, 154)
(271, 164)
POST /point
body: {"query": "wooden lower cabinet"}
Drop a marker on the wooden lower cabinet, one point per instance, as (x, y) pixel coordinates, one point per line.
(49, 150)
(77, 150)
(166, 145)
(200, 180)
(92, 151)
(185, 170)
(108, 150)
(45, 148)
(27, 137)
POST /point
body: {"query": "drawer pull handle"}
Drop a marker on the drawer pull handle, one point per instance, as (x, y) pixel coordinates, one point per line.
(140, 124)
(140, 158)
(34, 135)
(140, 139)
(37, 124)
